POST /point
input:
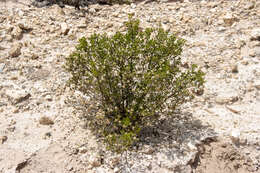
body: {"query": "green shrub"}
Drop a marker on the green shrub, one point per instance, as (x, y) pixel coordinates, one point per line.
(135, 77)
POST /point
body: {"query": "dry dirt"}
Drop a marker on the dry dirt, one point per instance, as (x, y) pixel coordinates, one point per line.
(42, 128)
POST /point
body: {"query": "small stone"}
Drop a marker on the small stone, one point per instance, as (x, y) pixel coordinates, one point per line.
(82, 23)
(166, 27)
(23, 26)
(18, 96)
(61, 11)
(92, 10)
(83, 149)
(2, 66)
(116, 170)
(46, 121)
(47, 134)
(191, 146)
(15, 50)
(257, 85)
(94, 161)
(235, 134)
(34, 56)
(114, 161)
(133, 5)
(48, 97)
(257, 51)
(22, 98)
(243, 141)
(229, 19)
(17, 33)
(234, 69)
(148, 150)
(16, 110)
(3, 139)
(11, 129)
(224, 99)
(245, 62)
(255, 34)
(64, 28)
(249, 6)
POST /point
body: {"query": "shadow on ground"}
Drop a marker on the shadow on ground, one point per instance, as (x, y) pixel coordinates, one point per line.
(178, 128)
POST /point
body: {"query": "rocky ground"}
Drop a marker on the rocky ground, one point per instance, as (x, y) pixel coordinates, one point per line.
(42, 131)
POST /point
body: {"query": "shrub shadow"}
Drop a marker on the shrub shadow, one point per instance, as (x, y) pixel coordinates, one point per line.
(178, 128)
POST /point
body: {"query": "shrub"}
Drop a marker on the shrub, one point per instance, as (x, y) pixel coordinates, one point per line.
(135, 77)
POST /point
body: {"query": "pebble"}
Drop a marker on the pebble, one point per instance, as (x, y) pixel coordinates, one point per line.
(235, 137)
(22, 25)
(48, 97)
(229, 19)
(234, 69)
(2, 66)
(17, 33)
(3, 139)
(18, 95)
(255, 34)
(249, 6)
(46, 121)
(15, 50)
(257, 84)
(83, 149)
(64, 28)
(92, 10)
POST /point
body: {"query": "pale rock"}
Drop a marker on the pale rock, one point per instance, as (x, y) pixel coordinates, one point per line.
(116, 170)
(15, 50)
(255, 34)
(2, 19)
(192, 146)
(18, 95)
(257, 51)
(20, 13)
(94, 161)
(2, 48)
(166, 27)
(2, 66)
(61, 11)
(64, 28)
(133, 5)
(83, 150)
(235, 136)
(148, 150)
(226, 98)
(229, 19)
(17, 33)
(82, 23)
(8, 38)
(114, 161)
(252, 53)
(34, 56)
(249, 6)
(9, 29)
(257, 84)
(92, 11)
(48, 97)
(102, 170)
(22, 25)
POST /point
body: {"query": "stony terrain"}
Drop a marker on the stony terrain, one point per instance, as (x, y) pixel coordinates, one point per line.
(41, 130)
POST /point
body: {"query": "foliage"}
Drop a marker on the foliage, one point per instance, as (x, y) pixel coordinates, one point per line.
(135, 76)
